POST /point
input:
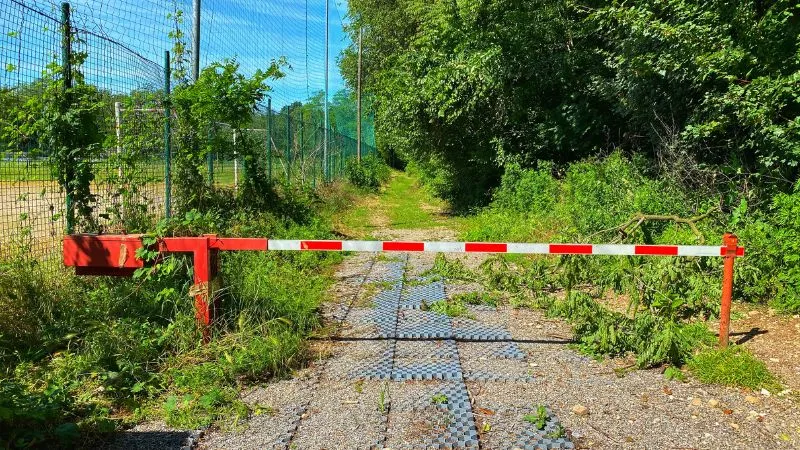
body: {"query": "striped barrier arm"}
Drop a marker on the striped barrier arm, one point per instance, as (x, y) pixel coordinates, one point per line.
(500, 247)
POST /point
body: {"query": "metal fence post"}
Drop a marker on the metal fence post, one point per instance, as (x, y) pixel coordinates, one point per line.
(167, 141)
(302, 155)
(269, 139)
(66, 76)
(315, 153)
(210, 162)
(288, 145)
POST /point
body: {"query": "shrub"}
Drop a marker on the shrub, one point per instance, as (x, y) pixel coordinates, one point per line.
(370, 173)
(599, 195)
(770, 269)
(787, 238)
(527, 190)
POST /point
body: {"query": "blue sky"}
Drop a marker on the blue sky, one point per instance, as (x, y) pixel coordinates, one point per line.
(253, 31)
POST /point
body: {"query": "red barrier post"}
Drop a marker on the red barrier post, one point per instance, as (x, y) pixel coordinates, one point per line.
(204, 253)
(731, 243)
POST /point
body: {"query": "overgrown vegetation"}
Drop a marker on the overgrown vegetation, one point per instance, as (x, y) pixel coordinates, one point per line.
(84, 356)
(625, 123)
(369, 173)
(706, 92)
(668, 299)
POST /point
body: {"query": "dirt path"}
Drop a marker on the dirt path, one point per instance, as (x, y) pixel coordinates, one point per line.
(773, 338)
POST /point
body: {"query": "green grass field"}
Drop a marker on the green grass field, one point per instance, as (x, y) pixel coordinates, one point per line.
(146, 171)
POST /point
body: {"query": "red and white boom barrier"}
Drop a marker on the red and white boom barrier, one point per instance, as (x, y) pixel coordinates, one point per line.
(115, 255)
(501, 247)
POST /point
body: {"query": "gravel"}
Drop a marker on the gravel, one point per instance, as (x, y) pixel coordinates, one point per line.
(153, 436)
(342, 415)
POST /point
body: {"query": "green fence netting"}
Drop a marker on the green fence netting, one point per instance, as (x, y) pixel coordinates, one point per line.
(82, 95)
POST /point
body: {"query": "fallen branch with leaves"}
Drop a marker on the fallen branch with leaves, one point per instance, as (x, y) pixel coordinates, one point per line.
(637, 220)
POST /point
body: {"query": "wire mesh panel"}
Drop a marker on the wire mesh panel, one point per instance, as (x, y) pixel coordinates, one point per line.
(63, 87)
(82, 124)
(128, 166)
(31, 201)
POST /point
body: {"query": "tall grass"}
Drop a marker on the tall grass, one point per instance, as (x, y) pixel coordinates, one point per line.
(82, 356)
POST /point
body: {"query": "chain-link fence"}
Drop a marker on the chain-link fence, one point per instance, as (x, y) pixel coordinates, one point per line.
(79, 105)
(63, 87)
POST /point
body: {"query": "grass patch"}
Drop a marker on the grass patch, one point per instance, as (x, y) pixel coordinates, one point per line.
(732, 366)
(450, 307)
(479, 298)
(401, 204)
(406, 200)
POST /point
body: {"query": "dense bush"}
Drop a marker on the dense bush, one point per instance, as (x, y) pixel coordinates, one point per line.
(771, 270)
(787, 236)
(369, 173)
(707, 91)
(592, 196)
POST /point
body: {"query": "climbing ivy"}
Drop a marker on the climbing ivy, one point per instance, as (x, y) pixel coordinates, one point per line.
(66, 125)
(222, 98)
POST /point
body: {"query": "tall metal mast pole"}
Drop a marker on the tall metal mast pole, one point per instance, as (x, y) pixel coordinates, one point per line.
(358, 121)
(196, 41)
(325, 131)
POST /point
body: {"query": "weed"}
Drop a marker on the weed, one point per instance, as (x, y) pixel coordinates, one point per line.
(382, 285)
(450, 307)
(478, 298)
(450, 269)
(382, 398)
(732, 366)
(358, 386)
(366, 296)
(412, 282)
(385, 257)
(674, 373)
(439, 399)
(539, 418)
(557, 433)
(259, 410)
(620, 372)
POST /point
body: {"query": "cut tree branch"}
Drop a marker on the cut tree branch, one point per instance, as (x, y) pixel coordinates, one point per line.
(637, 220)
